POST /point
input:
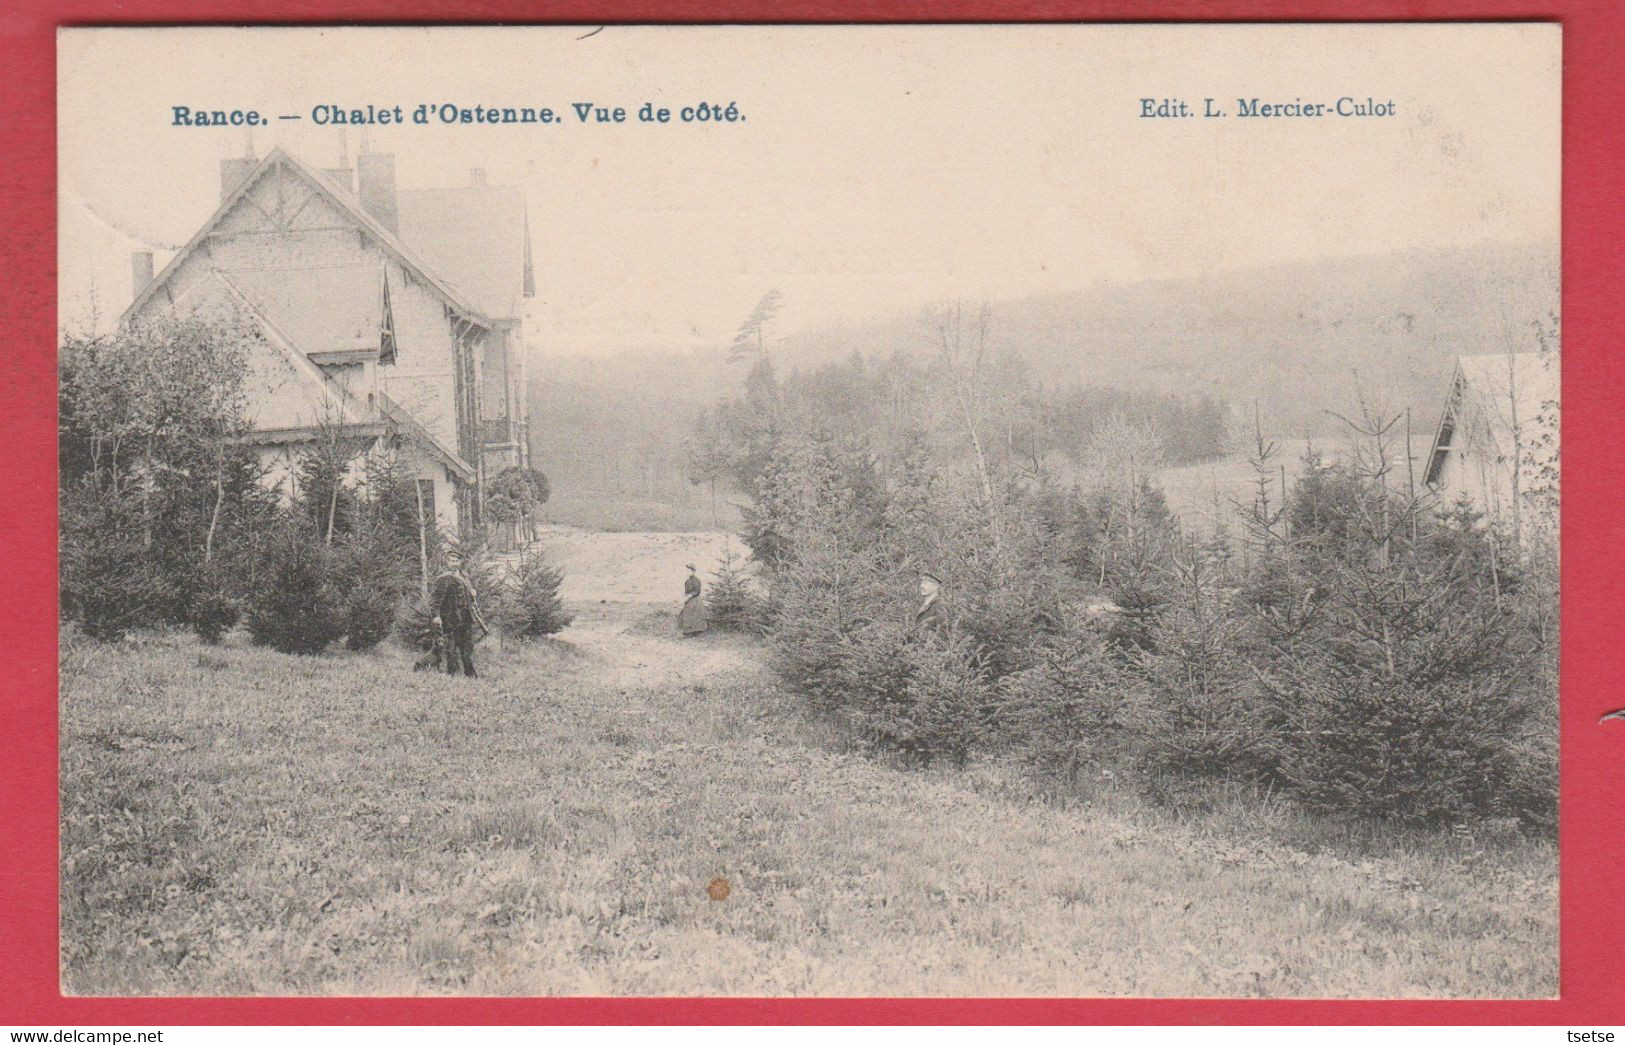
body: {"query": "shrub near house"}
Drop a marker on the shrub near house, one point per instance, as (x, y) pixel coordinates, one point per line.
(164, 519)
(295, 609)
(534, 608)
(160, 508)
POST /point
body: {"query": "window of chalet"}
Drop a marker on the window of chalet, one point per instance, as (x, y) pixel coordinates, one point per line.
(426, 501)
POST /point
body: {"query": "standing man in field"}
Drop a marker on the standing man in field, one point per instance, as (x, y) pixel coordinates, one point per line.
(456, 614)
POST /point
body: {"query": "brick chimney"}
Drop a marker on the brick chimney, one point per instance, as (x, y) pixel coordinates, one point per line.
(232, 173)
(140, 271)
(375, 184)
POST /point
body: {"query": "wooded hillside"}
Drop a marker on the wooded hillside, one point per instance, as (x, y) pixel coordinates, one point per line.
(1300, 340)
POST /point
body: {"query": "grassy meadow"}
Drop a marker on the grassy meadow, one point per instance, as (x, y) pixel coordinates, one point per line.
(236, 821)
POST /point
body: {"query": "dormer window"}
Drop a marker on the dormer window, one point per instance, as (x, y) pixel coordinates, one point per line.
(386, 328)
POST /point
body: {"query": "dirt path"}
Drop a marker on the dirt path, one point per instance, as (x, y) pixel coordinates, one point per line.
(625, 590)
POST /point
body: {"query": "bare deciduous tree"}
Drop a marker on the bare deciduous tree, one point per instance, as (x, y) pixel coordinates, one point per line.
(961, 342)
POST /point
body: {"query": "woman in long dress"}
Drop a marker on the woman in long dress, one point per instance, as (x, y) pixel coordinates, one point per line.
(691, 619)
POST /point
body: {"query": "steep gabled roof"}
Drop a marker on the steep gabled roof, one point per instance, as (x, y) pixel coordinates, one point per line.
(352, 415)
(477, 238)
(1512, 392)
(404, 421)
(335, 308)
(348, 204)
(315, 384)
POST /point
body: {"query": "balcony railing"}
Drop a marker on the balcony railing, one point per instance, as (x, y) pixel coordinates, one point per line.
(496, 430)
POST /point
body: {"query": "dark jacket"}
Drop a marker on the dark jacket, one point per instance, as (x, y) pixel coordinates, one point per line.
(453, 601)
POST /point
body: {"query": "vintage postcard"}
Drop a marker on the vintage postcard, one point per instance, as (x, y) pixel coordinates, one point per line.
(1029, 510)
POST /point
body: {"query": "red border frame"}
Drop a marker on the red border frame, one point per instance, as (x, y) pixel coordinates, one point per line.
(1593, 850)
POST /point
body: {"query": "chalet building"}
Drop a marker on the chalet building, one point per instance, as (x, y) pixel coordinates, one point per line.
(1497, 443)
(390, 319)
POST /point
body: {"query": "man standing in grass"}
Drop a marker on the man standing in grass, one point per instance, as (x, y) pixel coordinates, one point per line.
(456, 614)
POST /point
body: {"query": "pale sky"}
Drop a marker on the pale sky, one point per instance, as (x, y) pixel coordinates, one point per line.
(877, 169)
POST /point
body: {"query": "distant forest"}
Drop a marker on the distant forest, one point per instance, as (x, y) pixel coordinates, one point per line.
(617, 457)
(616, 434)
(913, 404)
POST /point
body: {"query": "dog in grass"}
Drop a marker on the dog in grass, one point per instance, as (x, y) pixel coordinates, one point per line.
(434, 660)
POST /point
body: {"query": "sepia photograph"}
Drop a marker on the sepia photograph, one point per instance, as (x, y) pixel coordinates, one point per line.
(818, 511)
